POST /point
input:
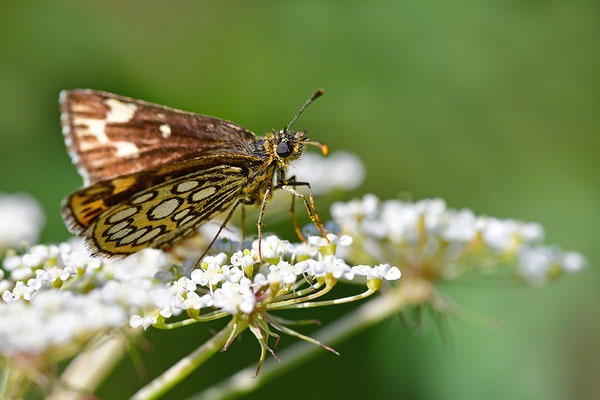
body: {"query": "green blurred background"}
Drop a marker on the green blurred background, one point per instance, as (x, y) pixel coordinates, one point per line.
(492, 105)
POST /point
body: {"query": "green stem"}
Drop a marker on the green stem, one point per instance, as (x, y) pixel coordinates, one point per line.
(201, 318)
(188, 364)
(6, 374)
(86, 371)
(296, 300)
(380, 308)
(328, 302)
(298, 293)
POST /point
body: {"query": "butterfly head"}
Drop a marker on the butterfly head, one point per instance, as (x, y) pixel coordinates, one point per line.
(285, 147)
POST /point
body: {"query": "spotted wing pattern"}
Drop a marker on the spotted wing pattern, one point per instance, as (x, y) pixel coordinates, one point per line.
(109, 135)
(156, 207)
(162, 214)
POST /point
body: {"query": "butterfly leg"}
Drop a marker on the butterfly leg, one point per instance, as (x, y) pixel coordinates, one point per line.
(243, 223)
(295, 220)
(263, 206)
(311, 197)
(218, 233)
(288, 188)
(292, 182)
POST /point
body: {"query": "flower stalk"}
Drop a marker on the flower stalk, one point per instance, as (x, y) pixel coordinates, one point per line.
(187, 365)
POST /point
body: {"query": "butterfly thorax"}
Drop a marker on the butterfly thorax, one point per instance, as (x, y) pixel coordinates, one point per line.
(276, 150)
(279, 149)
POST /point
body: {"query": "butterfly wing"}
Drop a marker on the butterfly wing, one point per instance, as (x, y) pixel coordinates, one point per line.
(156, 207)
(109, 135)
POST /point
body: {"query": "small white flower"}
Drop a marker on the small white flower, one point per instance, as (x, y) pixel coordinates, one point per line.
(329, 265)
(236, 258)
(534, 263)
(34, 283)
(339, 170)
(136, 321)
(210, 276)
(381, 272)
(8, 296)
(11, 263)
(305, 250)
(387, 272)
(21, 219)
(274, 277)
(21, 274)
(196, 302)
(319, 241)
(244, 259)
(260, 280)
(232, 274)
(573, 262)
(235, 297)
(273, 247)
(22, 291)
(184, 285)
(286, 271)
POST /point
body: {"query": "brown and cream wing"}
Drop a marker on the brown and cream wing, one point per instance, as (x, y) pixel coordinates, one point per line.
(109, 135)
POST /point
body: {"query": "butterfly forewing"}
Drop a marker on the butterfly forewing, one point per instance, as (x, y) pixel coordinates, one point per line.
(109, 135)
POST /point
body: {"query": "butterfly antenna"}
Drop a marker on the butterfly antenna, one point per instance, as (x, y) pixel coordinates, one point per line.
(312, 98)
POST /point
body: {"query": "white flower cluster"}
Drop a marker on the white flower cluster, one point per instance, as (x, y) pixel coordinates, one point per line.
(21, 219)
(428, 233)
(538, 263)
(55, 318)
(236, 284)
(339, 170)
(54, 295)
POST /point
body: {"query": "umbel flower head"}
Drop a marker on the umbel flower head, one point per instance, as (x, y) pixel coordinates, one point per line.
(428, 239)
(56, 299)
(62, 281)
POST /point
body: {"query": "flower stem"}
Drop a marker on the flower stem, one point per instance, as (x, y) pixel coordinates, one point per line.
(327, 302)
(5, 379)
(201, 318)
(188, 364)
(86, 371)
(412, 291)
(296, 300)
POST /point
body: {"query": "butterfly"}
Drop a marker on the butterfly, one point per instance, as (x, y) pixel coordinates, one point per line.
(152, 174)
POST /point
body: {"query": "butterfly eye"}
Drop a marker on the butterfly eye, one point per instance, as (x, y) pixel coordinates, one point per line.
(283, 150)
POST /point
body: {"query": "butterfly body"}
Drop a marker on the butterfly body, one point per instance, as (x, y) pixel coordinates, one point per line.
(153, 175)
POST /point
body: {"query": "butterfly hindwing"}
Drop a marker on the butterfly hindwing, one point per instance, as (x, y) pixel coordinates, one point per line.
(109, 135)
(155, 207)
(82, 207)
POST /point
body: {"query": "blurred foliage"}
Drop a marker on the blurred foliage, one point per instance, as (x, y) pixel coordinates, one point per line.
(492, 105)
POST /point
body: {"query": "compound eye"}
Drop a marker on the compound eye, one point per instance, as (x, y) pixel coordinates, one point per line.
(283, 150)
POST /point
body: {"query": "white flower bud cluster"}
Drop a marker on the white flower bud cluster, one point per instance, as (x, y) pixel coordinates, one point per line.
(223, 283)
(340, 170)
(53, 295)
(427, 232)
(21, 219)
